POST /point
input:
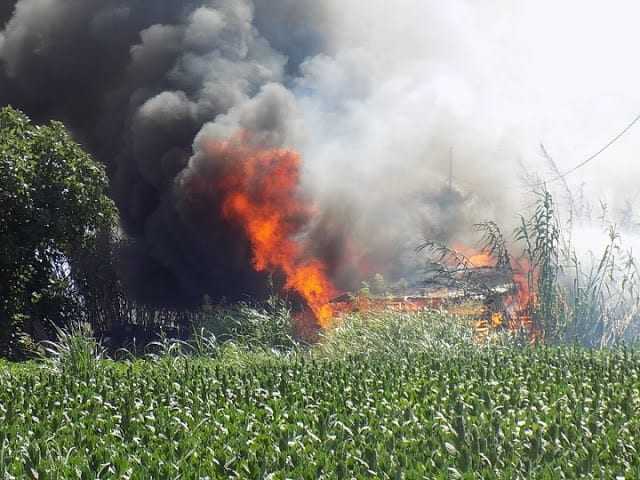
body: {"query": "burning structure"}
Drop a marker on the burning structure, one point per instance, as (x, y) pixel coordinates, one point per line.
(491, 296)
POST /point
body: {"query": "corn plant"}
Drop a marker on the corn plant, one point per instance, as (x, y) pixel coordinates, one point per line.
(437, 413)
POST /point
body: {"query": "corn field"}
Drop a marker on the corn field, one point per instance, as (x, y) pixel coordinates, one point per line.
(470, 413)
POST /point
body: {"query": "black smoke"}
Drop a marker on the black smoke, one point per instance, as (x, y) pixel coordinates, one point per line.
(6, 9)
(137, 82)
(363, 93)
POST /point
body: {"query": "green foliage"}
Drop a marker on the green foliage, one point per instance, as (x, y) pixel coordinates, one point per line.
(593, 301)
(267, 326)
(53, 199)
(484, 413)
(590, 300)
(604, 297)
(540, 236)
(104, 301)
(75, 351)
(399, 333)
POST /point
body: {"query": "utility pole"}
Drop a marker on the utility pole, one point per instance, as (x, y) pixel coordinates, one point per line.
(450, 169)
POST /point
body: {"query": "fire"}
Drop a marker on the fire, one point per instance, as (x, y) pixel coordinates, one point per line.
(476, 257)
(260, 194)
(260, 189)
(521, 274)
(518, 306)
(523, 302)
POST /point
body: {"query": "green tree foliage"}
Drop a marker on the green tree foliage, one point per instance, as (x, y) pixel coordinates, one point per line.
(53, 202)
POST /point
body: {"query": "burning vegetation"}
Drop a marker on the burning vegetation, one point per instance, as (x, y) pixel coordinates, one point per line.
(198, 111)
(468, 285)
(261, 197)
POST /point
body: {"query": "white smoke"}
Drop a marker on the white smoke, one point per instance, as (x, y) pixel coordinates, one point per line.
(407, 84)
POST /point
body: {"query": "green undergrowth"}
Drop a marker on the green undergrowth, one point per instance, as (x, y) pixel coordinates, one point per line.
(392, 332)
(490, 412)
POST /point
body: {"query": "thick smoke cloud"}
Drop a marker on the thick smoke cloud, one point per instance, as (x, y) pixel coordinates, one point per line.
(6, 9)
(381, 98)
(136, 81)
(409, 84)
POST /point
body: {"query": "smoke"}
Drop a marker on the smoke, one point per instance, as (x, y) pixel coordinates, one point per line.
(414, 120)
(6, 9)
(410, 86)
(136, 82)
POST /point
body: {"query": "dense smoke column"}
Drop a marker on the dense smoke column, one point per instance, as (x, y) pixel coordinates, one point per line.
(373, 98)
(136, 82)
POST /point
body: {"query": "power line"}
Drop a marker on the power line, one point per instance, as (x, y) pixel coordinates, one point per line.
(595, 155)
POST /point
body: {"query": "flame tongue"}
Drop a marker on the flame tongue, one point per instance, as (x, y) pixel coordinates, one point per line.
(260, 194)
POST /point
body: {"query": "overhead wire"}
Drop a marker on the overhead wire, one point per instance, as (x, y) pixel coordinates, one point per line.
(594, 156)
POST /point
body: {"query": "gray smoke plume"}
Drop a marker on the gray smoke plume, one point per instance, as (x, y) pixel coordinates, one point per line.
(414, 118)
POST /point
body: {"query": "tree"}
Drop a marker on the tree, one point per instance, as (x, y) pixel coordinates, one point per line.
(53, 203)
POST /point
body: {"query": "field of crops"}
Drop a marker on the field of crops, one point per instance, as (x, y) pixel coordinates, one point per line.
(481, 413)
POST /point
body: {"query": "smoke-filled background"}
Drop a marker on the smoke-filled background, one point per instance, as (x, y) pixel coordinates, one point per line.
(379, 97)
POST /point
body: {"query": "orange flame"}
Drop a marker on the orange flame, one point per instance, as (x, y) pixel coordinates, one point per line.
(523, 302)
(476, 257)
(260, 194)
(520, 304)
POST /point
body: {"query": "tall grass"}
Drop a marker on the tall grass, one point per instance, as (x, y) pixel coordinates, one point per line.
(591, 300)
(267, 326)
(395, 333)
(540, 237)
(75, 351)
(603, 295)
